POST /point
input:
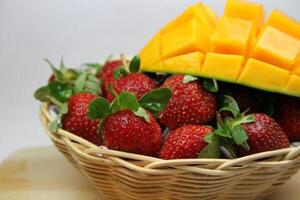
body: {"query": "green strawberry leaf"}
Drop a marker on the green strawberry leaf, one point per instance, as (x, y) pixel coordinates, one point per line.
(242, 120)
(156, 100)
(99, 108)
(230, 105)
(115, 105)
(57, 73)
(128, 101)
(80, 82)
(92, 85)
(141, 112)
(134, 65)
(212, 150)
(118, 72)
(60, 91)
(42, 93)
(240, 136)
(95, 66)
(189, 78)
(210, 85)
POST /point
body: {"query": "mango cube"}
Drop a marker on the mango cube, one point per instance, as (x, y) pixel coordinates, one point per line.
(188, 63)
(222, 66)
(199, 12)
(283, 23)
(150, 54)
(277, 48)
(262, 75)
(246, 10)
(185, 38)
(293, 85)
(232, 36)
(296, 70)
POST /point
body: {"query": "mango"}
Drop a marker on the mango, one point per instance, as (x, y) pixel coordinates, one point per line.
(277, 48)
(262, 75)
(190, 63)
(232, 36)
(246, 10)
(293, 85)
(222, 66)
(150, 54)
(284, 23)
(185, 38)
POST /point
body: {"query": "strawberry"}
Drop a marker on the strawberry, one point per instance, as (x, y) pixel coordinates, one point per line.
(190, 103)
(264, 134)
(127, 132)
(127, 124)
(107, 74)
(136, 83)
(288, 116)
(76, 120)
(185, 142)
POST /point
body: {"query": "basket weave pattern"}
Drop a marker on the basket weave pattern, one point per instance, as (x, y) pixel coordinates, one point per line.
(120, 175)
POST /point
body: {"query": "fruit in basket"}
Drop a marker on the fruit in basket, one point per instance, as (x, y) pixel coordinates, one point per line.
(128, 132)
(185, 142)
(136, 83)
(76, 120)
(238, 47)
(288, 116)
(264, 134)
(128, 123)
(190, 103)
(106, 75)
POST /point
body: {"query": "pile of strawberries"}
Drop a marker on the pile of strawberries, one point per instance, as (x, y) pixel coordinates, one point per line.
(168, 116)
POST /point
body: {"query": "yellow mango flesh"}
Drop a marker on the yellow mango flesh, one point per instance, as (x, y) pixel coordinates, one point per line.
(229, 48)
(150, 54)
(284, 23)
(190, 63)
(185, 38)
(277, 48)
(262, 75)
(246, 10)
(232, 36)
(293, 85)
(222, 66)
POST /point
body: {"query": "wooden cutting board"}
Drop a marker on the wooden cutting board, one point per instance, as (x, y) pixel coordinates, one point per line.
(43, 173)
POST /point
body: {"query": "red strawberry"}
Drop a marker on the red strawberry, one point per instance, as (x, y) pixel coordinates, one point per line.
(288, 116)
(76, 120)
(107, 74)
(264, 134)
(136, 83)
(190, 103)
(185, 142)
(127, 132)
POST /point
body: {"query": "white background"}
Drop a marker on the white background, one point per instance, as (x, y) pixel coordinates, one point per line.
(81, 31)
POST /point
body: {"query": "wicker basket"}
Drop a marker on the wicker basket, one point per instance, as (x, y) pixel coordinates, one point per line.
(119, 175)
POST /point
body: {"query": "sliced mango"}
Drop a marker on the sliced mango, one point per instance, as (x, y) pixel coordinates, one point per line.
(246, 10)
(293, 85)
(296, 70)
(222, 66)
(284, 23)
(232, 36)
(199, 12)
(185, 38)
(277, 48)
(150, 54)
(212, 14)
(262, 75)
(188, 63)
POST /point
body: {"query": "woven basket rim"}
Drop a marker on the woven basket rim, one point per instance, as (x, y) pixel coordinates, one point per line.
(157, 166)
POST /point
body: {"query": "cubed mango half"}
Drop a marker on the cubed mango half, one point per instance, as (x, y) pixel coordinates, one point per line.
(277, 48)
(185, 38)
(150, 54)
(263, 75)
(284, 23)
(190, 63)
(232, 36)
(222, 66)
(293, 85)
(246, 10)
